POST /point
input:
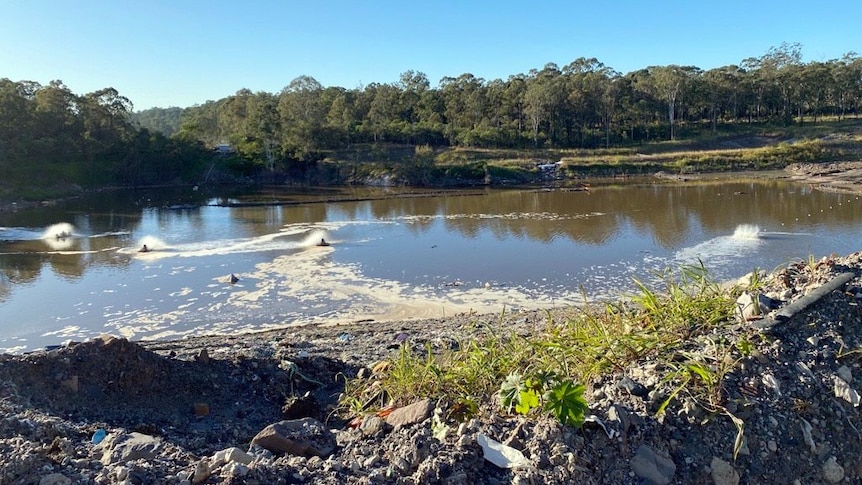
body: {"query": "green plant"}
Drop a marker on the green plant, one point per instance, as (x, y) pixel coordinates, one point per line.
(563, 398)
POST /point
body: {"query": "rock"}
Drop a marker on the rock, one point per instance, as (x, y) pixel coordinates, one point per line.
(202, 472)
(626, 418)
(411, 414)
(845, 373)
(236, 470)
(132, 446)
(651, 466)
(55, 479)
(305, 406)
(722, 472)
(201, 409)
(301, 437)
(832, 471)
(71, 384)
(844, 391)
(633, 388)
(371, 425)
(230, 455)
(750, 308)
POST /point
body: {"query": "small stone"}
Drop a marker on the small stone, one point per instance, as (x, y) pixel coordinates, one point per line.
(236, 469)
(55, 479)
(722, 472)
(411, 414)
(371, 425)
(832, 471)
(650, 465)
(236, 455)
(300, 437)
(633, 388)
(845, 373)
(772, 445)
(202, 409)
(121, 473)
(132, 446)
(71, 384)
(202, 472)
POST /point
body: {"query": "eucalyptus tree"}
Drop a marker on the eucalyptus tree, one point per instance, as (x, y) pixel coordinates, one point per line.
(431, 121)
(383, 119)
(342, 116)
(16, 122)
(464, 105)
(544, 97)
(302, 114)
(107, 132)
(847, 76)
(668, 83)
(589, 99)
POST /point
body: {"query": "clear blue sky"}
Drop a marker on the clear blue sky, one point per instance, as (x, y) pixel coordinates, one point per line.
(184, 52)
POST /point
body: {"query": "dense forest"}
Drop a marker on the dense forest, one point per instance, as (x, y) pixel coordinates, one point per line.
(97, 139)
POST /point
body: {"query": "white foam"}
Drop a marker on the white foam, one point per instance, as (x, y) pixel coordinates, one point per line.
(746, 231)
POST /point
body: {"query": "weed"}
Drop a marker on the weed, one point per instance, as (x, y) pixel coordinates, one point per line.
(544, 371)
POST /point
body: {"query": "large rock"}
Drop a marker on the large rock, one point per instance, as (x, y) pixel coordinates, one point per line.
(301, 437)
(131, 446)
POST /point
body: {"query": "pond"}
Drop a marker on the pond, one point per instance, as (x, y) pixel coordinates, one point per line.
(74, 270)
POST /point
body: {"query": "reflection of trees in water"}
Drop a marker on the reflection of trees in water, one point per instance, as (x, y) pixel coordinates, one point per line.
(16, 269)
(668, 212)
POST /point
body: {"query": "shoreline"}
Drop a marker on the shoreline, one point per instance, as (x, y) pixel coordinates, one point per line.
(191, 402)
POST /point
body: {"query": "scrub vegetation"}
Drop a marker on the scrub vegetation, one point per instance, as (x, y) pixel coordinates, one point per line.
(543, 371)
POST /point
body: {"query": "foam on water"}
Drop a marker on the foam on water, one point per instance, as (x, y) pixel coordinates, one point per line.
(61, 230)
(747, 231)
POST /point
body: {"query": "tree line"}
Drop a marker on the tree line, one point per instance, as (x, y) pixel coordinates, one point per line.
(54, 139)
(584, 104)
(97, 139)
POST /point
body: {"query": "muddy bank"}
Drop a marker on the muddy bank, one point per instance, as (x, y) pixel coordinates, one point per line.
(837, 177)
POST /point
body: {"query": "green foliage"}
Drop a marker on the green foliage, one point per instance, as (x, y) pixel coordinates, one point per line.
(542, 371)
(560, 397)
(566, 402)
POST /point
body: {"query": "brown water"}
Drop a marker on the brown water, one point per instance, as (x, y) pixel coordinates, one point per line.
(398, 257)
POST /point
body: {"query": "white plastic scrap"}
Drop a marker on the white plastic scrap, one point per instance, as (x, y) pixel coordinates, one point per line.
(844, 391)
(502, 455)
(806, 434)
(592, 418)
(770, 382)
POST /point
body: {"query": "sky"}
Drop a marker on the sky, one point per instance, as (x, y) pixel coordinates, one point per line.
(162, 53)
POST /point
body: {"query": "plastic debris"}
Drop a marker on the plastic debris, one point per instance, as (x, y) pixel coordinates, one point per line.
(592, 418)
(770, 382)
(844, 391)
(501, 455)
(98, 436)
